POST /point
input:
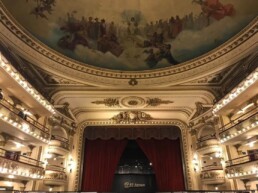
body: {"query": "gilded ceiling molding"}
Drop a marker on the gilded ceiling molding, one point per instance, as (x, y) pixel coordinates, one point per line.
(132, 102)
(50, 60)
(108, 102)
(185, 144)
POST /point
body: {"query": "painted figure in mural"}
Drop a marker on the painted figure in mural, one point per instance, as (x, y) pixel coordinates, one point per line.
(214, 9)
(130, 35)
(43, 6)
(163, 52)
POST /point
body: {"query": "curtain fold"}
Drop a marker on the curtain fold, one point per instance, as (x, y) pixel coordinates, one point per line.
(165, 156)
(101, 158)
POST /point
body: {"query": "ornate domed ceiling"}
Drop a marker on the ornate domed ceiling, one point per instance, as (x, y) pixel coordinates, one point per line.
(133, 35)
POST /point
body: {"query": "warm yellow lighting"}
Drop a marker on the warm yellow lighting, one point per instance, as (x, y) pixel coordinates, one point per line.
(250, 80)
(24, 84)
(10, 176)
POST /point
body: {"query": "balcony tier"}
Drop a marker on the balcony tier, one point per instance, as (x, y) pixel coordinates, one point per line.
(244, 167)
(58, 145)
(208, 146)
(14, 165)
(24, 127)
(212, 177)
(55, 176)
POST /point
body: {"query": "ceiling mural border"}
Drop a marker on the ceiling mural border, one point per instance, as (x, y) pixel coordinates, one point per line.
(60, 63)
(173, 122)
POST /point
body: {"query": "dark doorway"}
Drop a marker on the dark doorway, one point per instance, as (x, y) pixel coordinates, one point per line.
(134, 173)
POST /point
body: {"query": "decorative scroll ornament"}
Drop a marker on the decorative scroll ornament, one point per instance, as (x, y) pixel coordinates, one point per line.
(131, 117)
(157, 101)
(109, 102)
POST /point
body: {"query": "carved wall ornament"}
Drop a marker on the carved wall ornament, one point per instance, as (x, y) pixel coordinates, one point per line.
(133, 102)
(200, 109)
(109, 102)
(157, 101)
(131, 117)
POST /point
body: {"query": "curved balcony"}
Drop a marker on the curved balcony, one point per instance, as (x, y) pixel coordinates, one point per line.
(207, 145)
(239, 129)
(14, 120)
(243, 167)
(55, 176)
(22, 167)
(58, 145)
(212, 174)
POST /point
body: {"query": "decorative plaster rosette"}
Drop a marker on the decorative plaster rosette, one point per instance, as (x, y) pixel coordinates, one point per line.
(133, 102)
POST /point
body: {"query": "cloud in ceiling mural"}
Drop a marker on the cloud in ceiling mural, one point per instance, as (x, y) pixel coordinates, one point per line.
(133, 35)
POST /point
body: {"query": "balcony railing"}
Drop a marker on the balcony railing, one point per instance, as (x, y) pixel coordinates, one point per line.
(63, 142)
(13, 163)
(183, 191)
(206, 141)
(55, 168)
(239, 120)
(16, 115)
(55, 175)
(16, 156)
(212, 167)
(242, 160)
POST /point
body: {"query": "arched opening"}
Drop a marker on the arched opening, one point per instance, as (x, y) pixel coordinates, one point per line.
(104, 147)
(59, 131)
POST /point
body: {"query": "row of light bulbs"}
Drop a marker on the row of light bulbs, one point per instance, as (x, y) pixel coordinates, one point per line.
(251, 79)
(246, 173)
(239, 132)
(23, 127)
(24, 84)
(13, 173)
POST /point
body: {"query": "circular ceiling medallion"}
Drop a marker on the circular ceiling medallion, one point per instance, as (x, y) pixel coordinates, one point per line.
(132, 102)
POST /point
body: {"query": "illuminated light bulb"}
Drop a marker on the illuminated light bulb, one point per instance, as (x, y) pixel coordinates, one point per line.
(251, 144)
(25, 126)
(8, 68)
(10, 176)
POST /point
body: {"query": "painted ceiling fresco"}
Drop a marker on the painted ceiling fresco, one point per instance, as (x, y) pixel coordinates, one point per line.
(133, 35)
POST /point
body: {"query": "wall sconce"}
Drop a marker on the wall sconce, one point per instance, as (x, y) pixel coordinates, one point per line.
(1, 94)
(195, 162)
(48, 155)
(218, 153)
(71, 164)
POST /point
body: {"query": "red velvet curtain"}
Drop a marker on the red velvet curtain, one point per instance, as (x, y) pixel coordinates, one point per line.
(165, 156)
(100, 161)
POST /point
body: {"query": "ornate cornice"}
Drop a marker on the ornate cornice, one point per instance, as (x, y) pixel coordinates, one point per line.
(40, 54)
